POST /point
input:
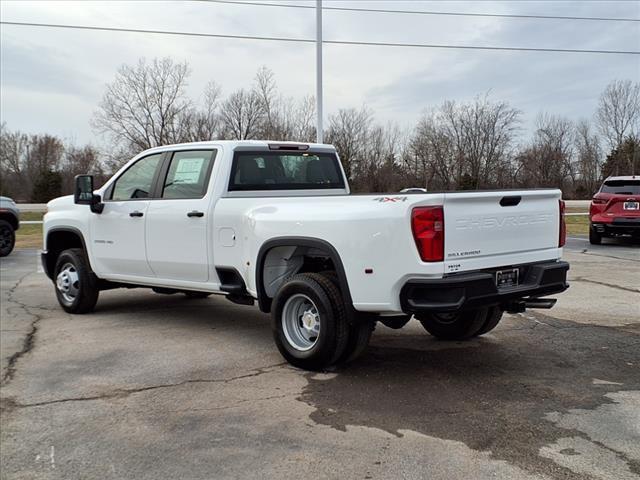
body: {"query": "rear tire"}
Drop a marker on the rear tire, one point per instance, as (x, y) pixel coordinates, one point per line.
(360, 330)
(494, 315)
(359, 336)
(594, 237)
(309, 321)
(7, 238)
(76, 285)
(454, 326)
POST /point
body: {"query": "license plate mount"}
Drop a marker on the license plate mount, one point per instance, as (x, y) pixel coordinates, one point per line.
(507, 278)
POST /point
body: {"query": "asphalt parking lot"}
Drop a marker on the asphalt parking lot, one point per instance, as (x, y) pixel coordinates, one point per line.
(153, 387)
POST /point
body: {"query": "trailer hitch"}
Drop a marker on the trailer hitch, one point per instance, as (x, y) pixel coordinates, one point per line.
(540, 302)
(520, 306)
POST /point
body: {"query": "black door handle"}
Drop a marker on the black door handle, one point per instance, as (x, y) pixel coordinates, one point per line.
(136, 214)
(195, 213)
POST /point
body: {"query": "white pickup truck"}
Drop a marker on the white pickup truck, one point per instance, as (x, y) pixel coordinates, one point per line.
(275, 222)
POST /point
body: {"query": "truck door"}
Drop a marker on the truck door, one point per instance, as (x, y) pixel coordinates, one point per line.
(179, 222)
(117, 234)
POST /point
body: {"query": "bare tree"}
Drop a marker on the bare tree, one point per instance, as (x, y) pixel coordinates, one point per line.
(348, 131)
(272, 124)
(303, 118)
(241, 115)
(44, 153)
(284, 118)
(143, 106)
(77, 161)
(40, 166)
(548, 160)
(431, 157)
(618, 113)
(465, 145)
(13, 151)
(380, 168)
(205, 123)
(27, 160)
(483, 132)
(589, 159)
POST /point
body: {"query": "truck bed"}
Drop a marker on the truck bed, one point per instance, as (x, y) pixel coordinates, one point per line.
(373, 233)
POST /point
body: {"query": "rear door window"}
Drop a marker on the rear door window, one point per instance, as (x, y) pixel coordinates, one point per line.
(188, 174)
(284, 171)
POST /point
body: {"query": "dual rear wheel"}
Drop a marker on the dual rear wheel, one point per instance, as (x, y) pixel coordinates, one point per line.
(461, 325)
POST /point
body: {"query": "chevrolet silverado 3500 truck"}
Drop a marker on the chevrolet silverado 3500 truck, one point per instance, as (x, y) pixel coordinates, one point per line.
(275, 223)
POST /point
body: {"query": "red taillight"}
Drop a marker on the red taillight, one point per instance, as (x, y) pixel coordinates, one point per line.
(599, 201)
(563, 225)
(427, 224)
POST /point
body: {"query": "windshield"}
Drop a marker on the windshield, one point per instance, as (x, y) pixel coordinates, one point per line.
(621, 187)
(285, 171)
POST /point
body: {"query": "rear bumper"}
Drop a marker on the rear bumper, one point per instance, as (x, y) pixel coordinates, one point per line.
(478, 289)
(617, 226)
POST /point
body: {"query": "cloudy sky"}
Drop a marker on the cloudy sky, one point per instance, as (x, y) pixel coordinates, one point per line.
(52, 79)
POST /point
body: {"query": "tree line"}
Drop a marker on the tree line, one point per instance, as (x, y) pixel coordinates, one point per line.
(476, 144)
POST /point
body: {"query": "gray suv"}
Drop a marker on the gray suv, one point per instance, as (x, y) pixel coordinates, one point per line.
(9, 223)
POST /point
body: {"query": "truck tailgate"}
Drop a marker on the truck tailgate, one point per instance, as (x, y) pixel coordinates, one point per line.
(486, 229)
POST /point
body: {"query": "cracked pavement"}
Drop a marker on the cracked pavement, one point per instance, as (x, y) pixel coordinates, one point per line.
(153, 386)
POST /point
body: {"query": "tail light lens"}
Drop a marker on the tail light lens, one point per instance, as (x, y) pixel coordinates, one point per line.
(563, 225)
(599, 201)
(427, 225)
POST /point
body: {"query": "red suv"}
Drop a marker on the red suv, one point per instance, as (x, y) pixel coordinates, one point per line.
(615, 209)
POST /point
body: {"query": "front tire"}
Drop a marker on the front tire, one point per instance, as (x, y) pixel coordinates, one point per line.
(76, 285)
(309, 321)
(454, 326)
(594, 237)
(7, 238)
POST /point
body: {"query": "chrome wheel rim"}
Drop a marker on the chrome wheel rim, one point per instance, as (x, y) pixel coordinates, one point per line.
(68, 283)
(300, 322)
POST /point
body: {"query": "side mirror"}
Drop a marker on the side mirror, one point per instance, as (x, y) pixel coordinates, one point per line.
(83, 193)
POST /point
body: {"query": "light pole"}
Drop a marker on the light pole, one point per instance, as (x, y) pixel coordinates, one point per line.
(319, 127)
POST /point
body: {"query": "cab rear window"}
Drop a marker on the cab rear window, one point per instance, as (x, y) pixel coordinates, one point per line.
(621, 187)
(284, 171)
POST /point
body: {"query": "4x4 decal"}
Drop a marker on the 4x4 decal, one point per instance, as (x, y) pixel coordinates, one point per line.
(390, 199)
